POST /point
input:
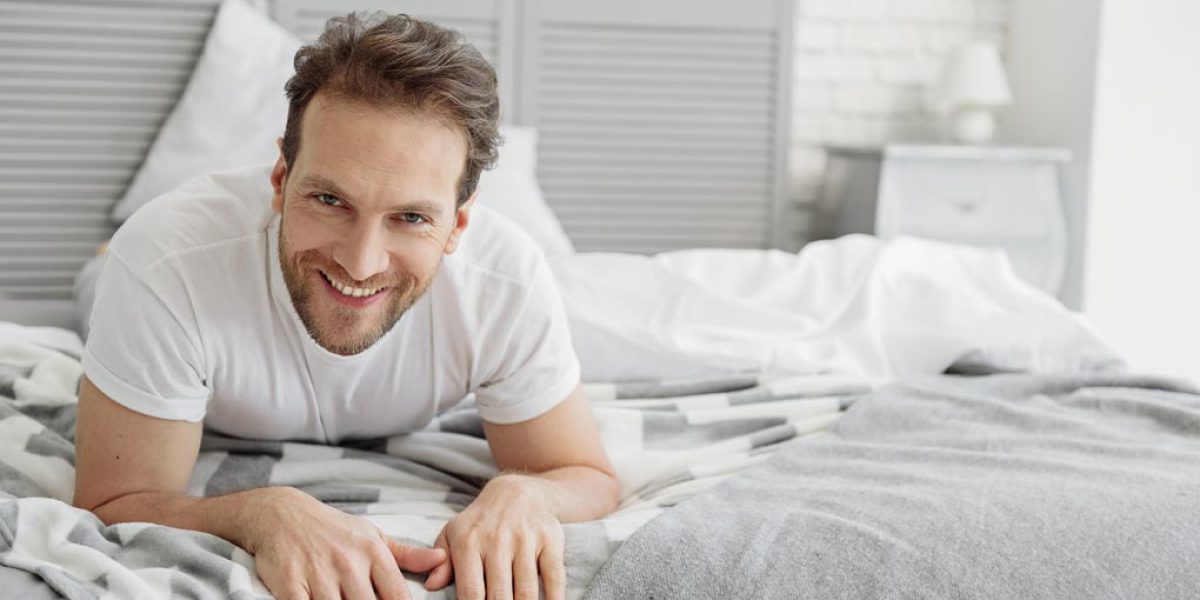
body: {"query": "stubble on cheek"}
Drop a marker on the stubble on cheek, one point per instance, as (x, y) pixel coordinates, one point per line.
(342, 329)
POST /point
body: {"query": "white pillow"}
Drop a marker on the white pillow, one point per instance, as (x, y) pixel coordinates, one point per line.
(231, 112)
(234, 108)
(511, 189)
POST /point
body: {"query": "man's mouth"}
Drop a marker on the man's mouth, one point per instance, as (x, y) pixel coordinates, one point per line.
(350, 291)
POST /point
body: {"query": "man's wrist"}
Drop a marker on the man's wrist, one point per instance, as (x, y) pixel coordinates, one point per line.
(528, 488)
(568, 493)
(244, 517)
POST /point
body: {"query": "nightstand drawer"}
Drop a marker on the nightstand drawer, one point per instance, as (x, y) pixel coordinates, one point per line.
(967, 199)
(989, 196)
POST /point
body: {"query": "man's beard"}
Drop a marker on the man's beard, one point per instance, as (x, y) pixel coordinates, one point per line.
(337, 330)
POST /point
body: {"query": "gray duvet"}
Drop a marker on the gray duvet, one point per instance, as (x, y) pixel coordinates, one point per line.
(1004, 486)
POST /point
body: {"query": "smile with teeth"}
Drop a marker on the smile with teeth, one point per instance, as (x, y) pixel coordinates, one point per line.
(347, 290)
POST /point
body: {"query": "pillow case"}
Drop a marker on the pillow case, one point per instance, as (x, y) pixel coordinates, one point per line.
(511, 189)
(234, 108)
(231, 111)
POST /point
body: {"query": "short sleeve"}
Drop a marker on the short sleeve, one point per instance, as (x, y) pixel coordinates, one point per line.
(142, 351)
(537, 367)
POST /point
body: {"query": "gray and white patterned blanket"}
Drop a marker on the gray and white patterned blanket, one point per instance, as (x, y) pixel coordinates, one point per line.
(668, 441)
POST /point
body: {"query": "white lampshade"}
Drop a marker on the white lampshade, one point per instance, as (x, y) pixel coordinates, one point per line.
(973, 77)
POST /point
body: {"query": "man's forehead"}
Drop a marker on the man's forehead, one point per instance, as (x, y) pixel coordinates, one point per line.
(328, 104)
(352, 146)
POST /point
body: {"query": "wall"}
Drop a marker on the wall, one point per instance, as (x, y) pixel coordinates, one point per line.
(860, 72)
(1052, 68)
(1141, 279)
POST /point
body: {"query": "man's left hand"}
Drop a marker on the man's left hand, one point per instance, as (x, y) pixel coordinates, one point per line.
(507, 537)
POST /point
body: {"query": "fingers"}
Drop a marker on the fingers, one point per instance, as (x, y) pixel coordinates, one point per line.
(525, 574)
(468, 572)
(283, 585)
(498, 573)
(356, 586)
(442, 574)
(324, 587)
(388, 580)
(554, 575)
(416, 560)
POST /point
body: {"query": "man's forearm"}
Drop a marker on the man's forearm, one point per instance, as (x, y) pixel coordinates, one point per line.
(575, 493)
(232, 516)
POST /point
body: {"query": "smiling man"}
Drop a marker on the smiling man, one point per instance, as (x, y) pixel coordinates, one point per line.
(358, 296)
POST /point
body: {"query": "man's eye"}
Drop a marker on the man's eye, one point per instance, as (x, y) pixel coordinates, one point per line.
(329, 200)
(412, 218)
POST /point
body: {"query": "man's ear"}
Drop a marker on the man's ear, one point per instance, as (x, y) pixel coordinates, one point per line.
(278, 179)
(462, 217)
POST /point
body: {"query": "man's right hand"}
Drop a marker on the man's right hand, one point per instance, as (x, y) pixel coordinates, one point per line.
(131, 467)
(305, 549)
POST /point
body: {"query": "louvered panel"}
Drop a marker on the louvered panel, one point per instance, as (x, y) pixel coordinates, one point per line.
(17, 191)
(18, 250)
(479, 32)
(620, 197)
(34, 74)
(660, 123)
(488, 25)
(84, 87)
(599, 206)
(589, 135)
(602, 36)
(22, 132)
(44, 233)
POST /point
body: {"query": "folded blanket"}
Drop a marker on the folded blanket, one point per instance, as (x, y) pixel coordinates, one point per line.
(668, 442)
(1007, 486)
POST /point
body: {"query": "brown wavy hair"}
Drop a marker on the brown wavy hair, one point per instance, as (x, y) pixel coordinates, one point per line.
(396, 61)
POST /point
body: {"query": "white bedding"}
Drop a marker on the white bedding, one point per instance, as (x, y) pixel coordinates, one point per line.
(856, 305)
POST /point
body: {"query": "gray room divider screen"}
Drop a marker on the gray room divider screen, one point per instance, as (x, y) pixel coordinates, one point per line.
(664, 123)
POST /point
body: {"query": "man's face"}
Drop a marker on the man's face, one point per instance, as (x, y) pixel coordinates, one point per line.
(368, 212)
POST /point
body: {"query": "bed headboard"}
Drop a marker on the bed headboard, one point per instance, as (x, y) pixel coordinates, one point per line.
(664, 123)
(84, 87)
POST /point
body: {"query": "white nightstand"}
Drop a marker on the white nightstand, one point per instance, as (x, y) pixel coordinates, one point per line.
(999, 197)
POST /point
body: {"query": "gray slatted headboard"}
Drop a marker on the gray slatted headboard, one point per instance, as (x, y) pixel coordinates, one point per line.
(487, 24)
(664, 122)
(84, 87)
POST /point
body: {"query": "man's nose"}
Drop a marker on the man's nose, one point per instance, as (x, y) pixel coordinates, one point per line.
(363, 254)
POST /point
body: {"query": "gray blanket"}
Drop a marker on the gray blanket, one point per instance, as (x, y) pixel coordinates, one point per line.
(993, 487)
(667, 440)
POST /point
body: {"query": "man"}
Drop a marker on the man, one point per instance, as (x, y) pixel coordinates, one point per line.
(323, 310)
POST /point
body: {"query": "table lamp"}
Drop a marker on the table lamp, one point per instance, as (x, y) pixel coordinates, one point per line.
(972, 85)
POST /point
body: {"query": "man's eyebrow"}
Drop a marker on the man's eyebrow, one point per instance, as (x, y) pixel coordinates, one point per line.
(322, 182)
(417, 206)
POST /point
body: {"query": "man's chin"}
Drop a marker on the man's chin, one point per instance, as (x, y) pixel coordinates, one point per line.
(340, 337)
(342, 348)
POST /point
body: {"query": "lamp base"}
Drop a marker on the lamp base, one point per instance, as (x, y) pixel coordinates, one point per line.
(972, 125)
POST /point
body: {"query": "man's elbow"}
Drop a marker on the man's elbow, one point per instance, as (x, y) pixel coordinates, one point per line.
(89, 501)
(611, 490)
(97, 506)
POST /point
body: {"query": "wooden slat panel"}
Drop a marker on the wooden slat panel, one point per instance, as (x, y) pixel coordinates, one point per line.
(488, 25)
(656, 135)
(84, 87)
(307, 23)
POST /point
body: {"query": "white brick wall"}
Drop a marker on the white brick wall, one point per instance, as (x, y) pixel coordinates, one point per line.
(861, 69)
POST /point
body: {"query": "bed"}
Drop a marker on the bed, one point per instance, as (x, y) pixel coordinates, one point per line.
(860, 419)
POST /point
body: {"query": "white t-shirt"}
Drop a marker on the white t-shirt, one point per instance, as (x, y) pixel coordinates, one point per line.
(192, 320)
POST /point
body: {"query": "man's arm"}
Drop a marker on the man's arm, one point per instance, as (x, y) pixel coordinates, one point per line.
(132, 467)
(561, 449)
(553, 470)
